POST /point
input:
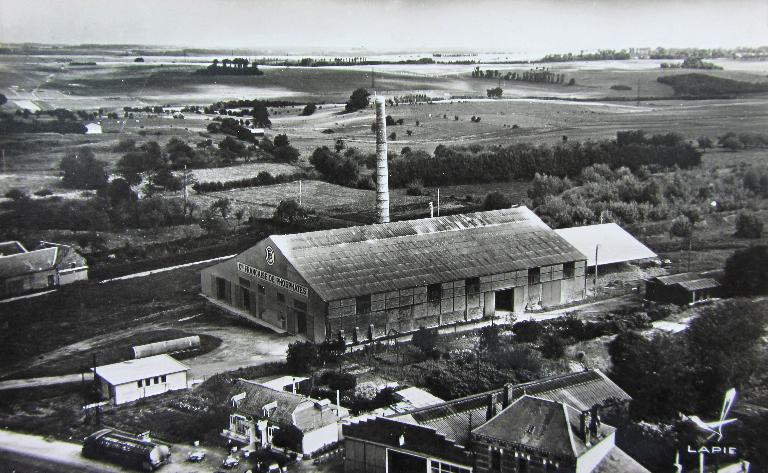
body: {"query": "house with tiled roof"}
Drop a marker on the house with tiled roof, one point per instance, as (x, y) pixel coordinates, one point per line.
(49, 266)
(553, 424)
(263, 416)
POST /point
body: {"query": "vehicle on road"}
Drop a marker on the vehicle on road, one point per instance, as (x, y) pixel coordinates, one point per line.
(230, 462)
(196, 457)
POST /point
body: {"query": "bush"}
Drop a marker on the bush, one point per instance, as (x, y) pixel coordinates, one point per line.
(43, 192)
(496, 200)
(415, 188)
(289, 211)
(552, 346)
(301, 356)
(17, 194)
(286, 154)
(337, 380)
(705, 142)
(425, 339)
(528, 331)
(309, 109)
(748, 226)
(746, 272)
(358, 100)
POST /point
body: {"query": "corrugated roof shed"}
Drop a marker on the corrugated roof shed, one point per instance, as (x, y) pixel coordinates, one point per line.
(699, 284)
(28, 263)
(418, 397)
(616, 244)
(142, 368)
(676, 278)
(355, 261)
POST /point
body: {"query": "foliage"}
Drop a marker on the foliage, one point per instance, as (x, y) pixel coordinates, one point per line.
(17, 194)
(425, 339)
(83, 170)
(748, 225)
(3, 99)
(358, 100)
(415, 188)
(281, 140)
(681, 227)
(289, 211)
(338, 380)
(746, 272)
(489, 340)
(260, 115)
(301, 357)
(343, 170)
(496, 200)
(552, 346)
(496, 92)
(262, 179)
(231, 67)
(704, 142)
(285, 154)
(528, 331)
(702, 85)
(309, 109)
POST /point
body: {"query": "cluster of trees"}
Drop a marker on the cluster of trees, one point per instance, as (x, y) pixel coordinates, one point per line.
(343, 169)
(23, 123)
(236, 66)
(476, 163)
(733, 141)
(691, 63)
(150, 161)
(538, 75)
(702, 85)
(496, 92)
(601, 55)
(262, 179)
(83, 171)
(690, 371)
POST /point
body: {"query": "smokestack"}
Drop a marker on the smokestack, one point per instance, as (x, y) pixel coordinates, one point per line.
(382, 173)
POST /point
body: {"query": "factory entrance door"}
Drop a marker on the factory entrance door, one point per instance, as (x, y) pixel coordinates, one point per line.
(505, 299)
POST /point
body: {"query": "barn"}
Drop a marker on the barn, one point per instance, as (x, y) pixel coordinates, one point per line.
(49, 266)
(369, 281)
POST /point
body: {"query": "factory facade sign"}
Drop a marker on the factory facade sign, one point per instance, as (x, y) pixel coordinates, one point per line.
(273, 279)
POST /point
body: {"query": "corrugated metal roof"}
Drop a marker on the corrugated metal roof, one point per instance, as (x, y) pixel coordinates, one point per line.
(27, 263)
(418, 397)
(142, 368)
(676, 278)
(350, 262)
(8, 248)
(699, 284)
(616, 245)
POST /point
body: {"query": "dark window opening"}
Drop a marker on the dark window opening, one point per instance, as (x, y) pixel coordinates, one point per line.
(495, 460)
(434, 293)
(139, 383)
(244, 282)
(221, 288)
(301, 322)
(51, 280)
(300, 305)
(163, 379)
(473, 285)
(534, 276)
(246, 299)
(280, 297)
(569, 270)
(363, 304)
(262, 289)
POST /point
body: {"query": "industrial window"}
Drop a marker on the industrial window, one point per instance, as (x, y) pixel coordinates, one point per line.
(244, 282)
(434, 293)
(300, 305)
(147, 382)
(163, 379)
(440, 467)
(280, 297)
(262, 289)
(569, 269)
(157, 380)
(51, 280)
(221, 288)
(363, 304)
(534, 276)
(138, 383)
(473, 285)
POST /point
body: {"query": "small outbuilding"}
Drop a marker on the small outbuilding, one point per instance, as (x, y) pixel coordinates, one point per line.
(136, 379)
(93, 128)
(51, 265)
(681, 289)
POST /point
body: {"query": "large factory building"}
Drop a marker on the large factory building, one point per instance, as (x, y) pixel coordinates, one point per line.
(396, 277)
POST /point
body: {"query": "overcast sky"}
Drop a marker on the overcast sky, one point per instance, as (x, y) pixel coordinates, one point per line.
(484, 25)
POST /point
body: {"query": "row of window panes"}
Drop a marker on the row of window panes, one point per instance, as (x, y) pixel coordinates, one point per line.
(146, 382)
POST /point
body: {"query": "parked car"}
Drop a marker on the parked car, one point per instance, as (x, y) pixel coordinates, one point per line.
(230, 462)
(246, 452)
(196, 457)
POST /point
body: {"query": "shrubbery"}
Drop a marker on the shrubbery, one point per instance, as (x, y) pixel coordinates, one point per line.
(262, 179)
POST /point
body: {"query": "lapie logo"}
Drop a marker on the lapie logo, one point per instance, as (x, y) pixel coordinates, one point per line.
(714, 432)
(269, 255)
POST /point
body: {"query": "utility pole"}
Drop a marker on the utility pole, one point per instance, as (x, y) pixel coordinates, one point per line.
(3, 155)
(596, 248)
(299, 192)
(373, 81)
(431, 210)
(438, 201)
(638, 92)
(690, 248)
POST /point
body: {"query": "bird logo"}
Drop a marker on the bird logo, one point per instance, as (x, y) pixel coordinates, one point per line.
(715, 428)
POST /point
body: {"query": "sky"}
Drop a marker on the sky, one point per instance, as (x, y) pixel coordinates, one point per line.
(390, 25)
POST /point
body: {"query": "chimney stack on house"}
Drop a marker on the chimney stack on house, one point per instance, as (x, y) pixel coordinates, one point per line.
(585, 424)
(382, 171)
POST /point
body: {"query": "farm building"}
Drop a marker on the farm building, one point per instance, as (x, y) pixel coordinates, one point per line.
(136, 379)
(606, 244)
(548, 425)
(47, 267)
(264, 416)
(126, 449)
(684, 288)
(368, 281)
(93, 128)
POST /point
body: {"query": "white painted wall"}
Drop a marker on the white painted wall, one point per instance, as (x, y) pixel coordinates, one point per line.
(131, 391)
(319, 438)
(587, 462)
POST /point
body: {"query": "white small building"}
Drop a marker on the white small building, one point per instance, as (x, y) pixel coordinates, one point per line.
(135, 379)
(93, 128)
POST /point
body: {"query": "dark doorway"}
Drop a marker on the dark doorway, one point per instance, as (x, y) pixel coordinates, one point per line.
(246, 299)
(221, 288)
(505, 299)
(301, 322)
(398, 462)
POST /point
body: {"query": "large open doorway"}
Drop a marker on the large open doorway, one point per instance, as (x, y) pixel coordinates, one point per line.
(505, 299)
